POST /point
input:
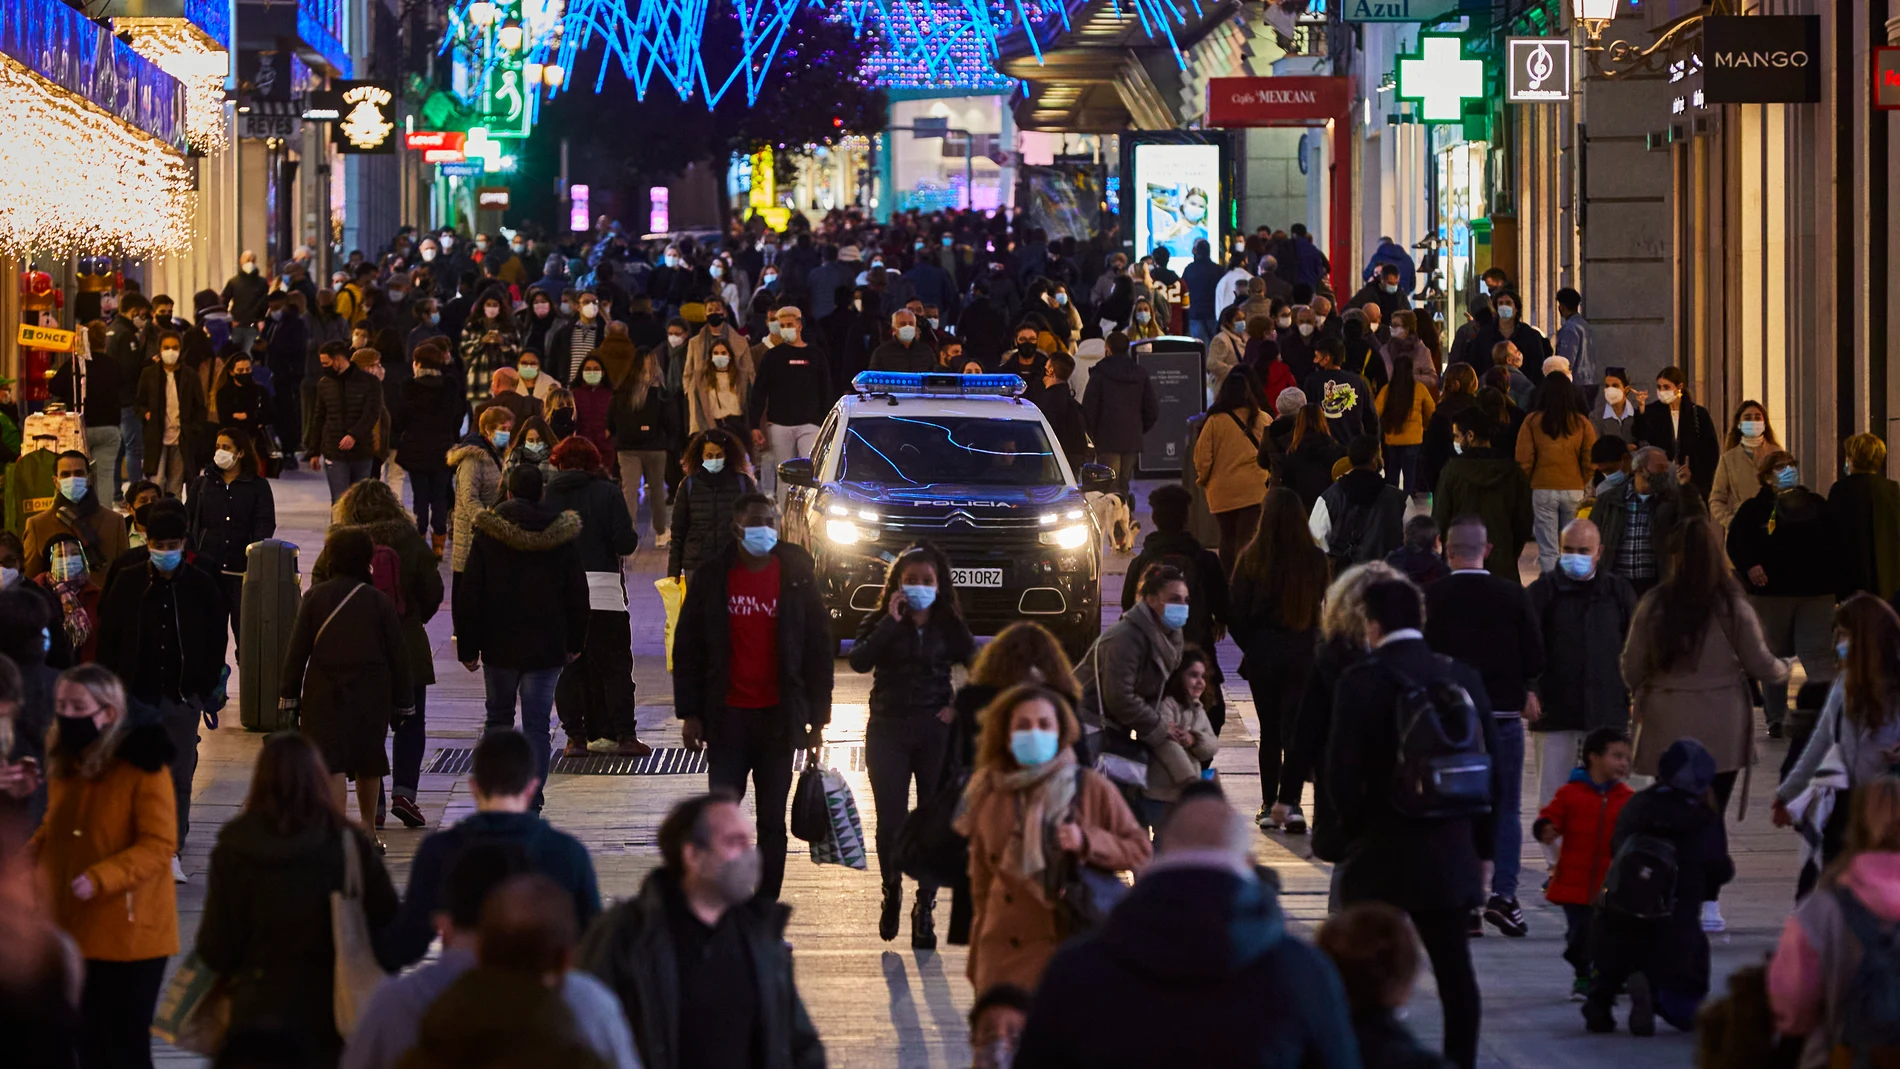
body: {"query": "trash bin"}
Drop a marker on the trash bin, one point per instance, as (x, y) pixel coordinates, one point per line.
(272, 591)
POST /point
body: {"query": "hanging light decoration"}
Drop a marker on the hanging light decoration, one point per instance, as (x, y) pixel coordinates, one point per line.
(79, 179)
(185, 52)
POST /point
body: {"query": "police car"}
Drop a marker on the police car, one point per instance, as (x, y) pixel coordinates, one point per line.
(966, 463)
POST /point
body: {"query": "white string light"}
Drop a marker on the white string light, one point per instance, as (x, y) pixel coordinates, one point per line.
(187, 54)
(77, 179)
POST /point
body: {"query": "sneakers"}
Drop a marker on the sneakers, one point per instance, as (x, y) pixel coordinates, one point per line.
(631, 746)
(1580, 989)
(1712, 921)
(1642, 1007)
(178, 870)
(602, 746)
(1506, 917)
(408, 811)
(1295, 821)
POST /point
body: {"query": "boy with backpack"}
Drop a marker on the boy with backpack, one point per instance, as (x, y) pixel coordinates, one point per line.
(1668, 854)
(1582, 817)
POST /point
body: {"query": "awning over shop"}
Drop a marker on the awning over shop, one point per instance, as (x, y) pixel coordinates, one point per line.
(57, 43)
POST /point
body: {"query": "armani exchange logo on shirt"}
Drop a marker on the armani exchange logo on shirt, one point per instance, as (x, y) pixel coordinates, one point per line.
(748, 605)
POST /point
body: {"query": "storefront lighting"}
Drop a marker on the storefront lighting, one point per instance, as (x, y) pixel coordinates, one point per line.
(483, 13)
(509, 36)
(77, 178)
(553, 75)
(183, 51)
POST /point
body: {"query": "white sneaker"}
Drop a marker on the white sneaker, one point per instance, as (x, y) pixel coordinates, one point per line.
(603, 746)
(1712, 918)
(178, 870)
(1295, 821)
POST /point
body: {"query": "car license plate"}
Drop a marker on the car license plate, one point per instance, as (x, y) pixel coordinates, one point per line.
(974, 577)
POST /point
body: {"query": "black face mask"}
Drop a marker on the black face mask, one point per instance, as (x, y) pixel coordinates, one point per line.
(562, 422)
(715, 320)
(241, 380)
(1028, 351)
(76, 733)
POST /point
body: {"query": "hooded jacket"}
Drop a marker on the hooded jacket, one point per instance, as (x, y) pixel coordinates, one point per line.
(1347, 400)
(1119, 404)
(1364, 518)
(425, 421)
(607, 532)
(1479, 482)
(266, 925)
(477, 467)
(1583, 814)
(1208, 601)
(1585, 623)
(1197, 944)
(1815, 962)
(524, 569)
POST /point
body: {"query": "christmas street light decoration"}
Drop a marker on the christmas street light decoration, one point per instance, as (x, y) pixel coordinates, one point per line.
(188, 54)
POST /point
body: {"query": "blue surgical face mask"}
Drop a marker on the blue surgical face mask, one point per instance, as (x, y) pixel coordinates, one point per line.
(920, 597)
(907, 334)
(947, 241)
(165, 560)
(1175, 616)
(435, 318)
(1612, 481)
(1841, 648)
(67, 567)
(501, 439)
(1506, 311)
(1751, 428)
(72, 487)
(1787, 478)
(1032, 747)
(715, 465)
(1576, 565)
(760, 540)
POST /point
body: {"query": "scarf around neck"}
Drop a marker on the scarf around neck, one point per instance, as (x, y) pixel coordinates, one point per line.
(1045, 795)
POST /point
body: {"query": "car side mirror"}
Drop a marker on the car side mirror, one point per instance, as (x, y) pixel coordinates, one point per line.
(1094, 477)
(797, 471)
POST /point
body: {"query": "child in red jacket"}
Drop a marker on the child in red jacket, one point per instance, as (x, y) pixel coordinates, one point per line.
(1583, 815)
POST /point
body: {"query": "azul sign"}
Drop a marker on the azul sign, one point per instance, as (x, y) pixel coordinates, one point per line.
(1537, 69)
(1397, 10)
(1762, 59)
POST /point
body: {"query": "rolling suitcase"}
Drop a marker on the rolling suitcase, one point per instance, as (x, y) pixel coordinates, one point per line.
(272, 592)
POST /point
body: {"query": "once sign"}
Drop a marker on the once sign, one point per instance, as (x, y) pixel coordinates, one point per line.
(1538, 69)
(50, 339)
(1761, 59)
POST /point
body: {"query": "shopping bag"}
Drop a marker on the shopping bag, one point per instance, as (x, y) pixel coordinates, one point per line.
(811, 820)
(358, 974)
(672, 595)
(929, 849)
(845, 843)
(195, 1011)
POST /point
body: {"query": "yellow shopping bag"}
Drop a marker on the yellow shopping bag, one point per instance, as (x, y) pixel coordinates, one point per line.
(672, 595)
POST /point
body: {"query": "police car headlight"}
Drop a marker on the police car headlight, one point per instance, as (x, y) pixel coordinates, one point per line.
(844, 532)
(1074, 536)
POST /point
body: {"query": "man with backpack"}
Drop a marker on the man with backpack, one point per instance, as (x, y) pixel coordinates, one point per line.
(1417, 836)
(1361, 517)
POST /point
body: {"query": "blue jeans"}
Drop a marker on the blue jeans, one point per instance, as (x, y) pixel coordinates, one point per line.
(1203, 330)
(434, 491)
(131, 444)
(1510, 834)
(103, 444)
(536, 690)
(344, 474)
(1401, 466)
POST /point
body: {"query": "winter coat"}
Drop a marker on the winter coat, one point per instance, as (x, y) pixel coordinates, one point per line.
(111, 817)
(425, 422)
(1692, 435)
(631, 949)
(1736, 480)
(1120, 404)
(1670, 507)
(419, 578)
(266, 925)
(1584, 623)
(702, 648)
(894, 355)
(1436, 449)
(912, 664)
(1199, 944)
(1207, 583)
(226, 517)
(525, 566)
(1225, 353)
(1412, 431)
(1347, 401)
(590, 416)
(1226, 461)
(1124, 673)
(1706, 697)
(1384, 1041)
(1014, 933)
(1556, 463)
(477, 467)
(1307, 468)
(1583, 814)
(1383, 855)
(246, 405)
(350, 404)
(650, 428)
(1479, 482)
(101, 530)
(607, 532)
(354, 681)
(1175, 766)
(1813, 968)
(193, 415)
(1422, 566)
(1424, 370)
(1674, 953)
(1275, 377)
(701, 393)
(498, 1018)
(1866, 511)
(1359, 518)
(126, 613)
(701, 527)
(1791, 536)
(1065, 417)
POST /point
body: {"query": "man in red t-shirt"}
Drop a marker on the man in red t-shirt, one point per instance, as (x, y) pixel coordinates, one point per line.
(752, 669)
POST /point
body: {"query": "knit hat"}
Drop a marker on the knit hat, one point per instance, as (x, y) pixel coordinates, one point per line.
(850, 254)
(1687, 767)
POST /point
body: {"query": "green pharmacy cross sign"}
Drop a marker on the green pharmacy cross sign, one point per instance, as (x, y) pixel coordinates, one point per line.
(1440, 78)
(507, 104)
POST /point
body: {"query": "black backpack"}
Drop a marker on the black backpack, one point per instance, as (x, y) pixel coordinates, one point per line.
(1442, 770)
(1641, 883)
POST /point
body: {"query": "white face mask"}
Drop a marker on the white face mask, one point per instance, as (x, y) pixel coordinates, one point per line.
(1306, 330)
(1665, 395)
(1398, 333)
(428, 255)
(224, 459)
(1284, 322)
(721, 361)
(170, 357)
(1613, 395)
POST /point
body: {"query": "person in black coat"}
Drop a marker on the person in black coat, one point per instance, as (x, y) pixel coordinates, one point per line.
(1063, 411)
(748, 720)
(524, 567)
(913, 640)
(423, 429)
(1583, 611)
(1304, 461)
(1431, 869)
(702, 507)
(1200, 939)
(1376, 951)
(1866, 509)
(1461, 392)
(230, 507)
(595, 697)
(1120, 407)
(1664, 963)
(1675, 424)
(26, 621)
(241, 403)
(341, 437)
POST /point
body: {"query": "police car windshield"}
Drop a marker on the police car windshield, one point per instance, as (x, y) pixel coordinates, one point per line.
(920, 450)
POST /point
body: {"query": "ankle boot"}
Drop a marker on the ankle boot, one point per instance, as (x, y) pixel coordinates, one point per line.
(436, 542)
(893, 908)
(923, 927)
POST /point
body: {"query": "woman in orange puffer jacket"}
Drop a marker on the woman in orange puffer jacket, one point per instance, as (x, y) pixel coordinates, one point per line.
(1583, 816)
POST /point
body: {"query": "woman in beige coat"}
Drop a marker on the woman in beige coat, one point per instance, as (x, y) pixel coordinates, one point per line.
(1693, 646)
(1749, 439)
(1031, 813)
(1227, 465)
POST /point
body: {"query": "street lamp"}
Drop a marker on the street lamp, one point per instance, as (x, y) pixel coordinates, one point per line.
(1594, 15)
(509, 36)
(1622, 57)
(552, 74)
(482, 13)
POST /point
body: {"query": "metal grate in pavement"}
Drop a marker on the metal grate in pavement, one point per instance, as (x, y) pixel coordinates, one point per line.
(663, 761)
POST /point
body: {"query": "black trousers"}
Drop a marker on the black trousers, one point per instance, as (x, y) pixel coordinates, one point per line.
(409, 737)
(287, 402)
(233, 588)
(898, 749)
(594, 697)
(754, 742)
(1279, 686)
(115, 1013)
(433, 493)
(1447, 939)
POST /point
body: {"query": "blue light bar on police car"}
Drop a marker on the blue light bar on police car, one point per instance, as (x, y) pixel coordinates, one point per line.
(894, 383)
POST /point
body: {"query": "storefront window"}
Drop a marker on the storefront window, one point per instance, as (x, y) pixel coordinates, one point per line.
(1461, 199)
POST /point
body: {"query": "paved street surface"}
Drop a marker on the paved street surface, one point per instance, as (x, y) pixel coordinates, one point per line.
(881, 1004)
